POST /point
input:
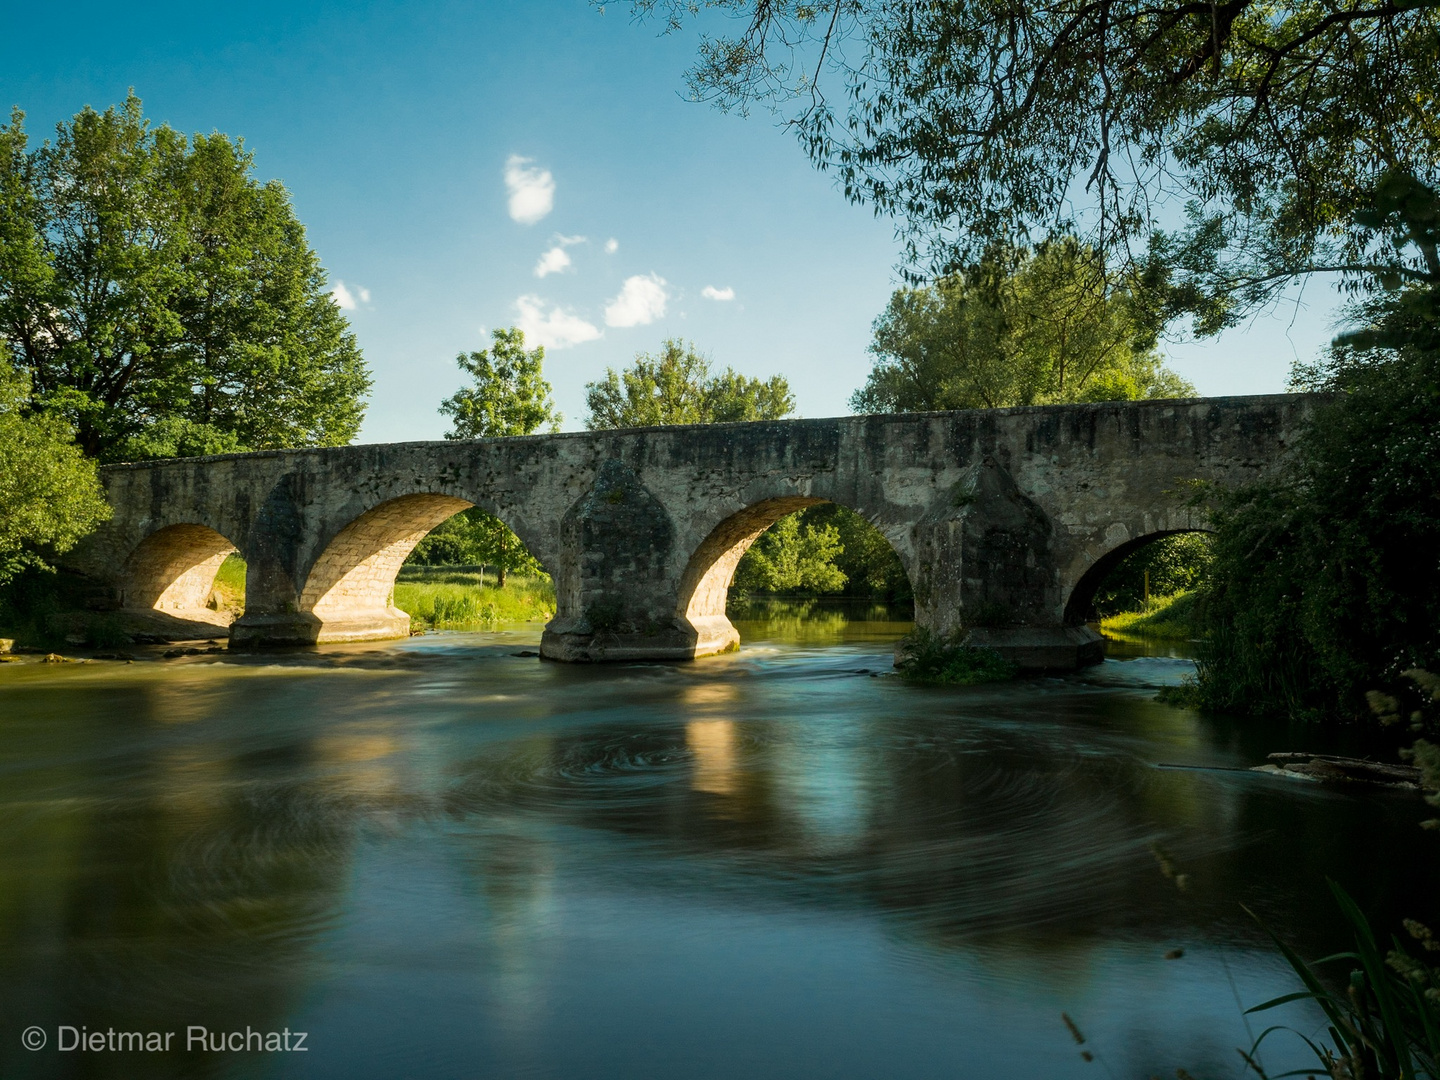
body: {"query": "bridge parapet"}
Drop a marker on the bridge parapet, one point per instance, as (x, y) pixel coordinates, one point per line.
(1002, 518)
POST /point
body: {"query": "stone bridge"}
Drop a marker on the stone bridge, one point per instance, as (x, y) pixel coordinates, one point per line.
(1005, 520)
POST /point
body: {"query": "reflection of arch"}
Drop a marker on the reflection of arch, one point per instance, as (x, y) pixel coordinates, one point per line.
(173, 570)
(1080, 608)
(354, 576)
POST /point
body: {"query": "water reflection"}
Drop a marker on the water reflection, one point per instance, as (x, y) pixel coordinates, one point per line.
(445, 860)
(823, 621)
(712, 742)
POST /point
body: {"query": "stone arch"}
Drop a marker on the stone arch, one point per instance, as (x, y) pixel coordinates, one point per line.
(1080, 607)
(172, 572)
(350, 586)
(705, 584)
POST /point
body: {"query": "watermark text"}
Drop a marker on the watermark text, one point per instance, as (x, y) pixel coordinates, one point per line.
(197, 1039)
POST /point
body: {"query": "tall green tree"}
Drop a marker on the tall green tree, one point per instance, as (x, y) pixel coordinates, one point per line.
(871, 567)
(981, 121)
(49, 493)
(678, 387)
(1346, 596)
(823, 550)
(164, 300)
(1020, 328)
(508, 394)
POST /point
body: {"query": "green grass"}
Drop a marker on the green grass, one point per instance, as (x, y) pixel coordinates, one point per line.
(454, 598)
(435, 597)
(1384, 1020)
(228, 592)
(1170, 618)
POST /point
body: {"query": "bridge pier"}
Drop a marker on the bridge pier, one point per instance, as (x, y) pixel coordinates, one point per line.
(572, 643)
(306, 628)
(986, 576)
(1036, 648)
(621, 574)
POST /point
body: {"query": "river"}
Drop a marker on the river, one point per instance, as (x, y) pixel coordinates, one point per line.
(438, 858)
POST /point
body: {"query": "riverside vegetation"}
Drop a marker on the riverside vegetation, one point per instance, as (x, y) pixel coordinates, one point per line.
(459, 598)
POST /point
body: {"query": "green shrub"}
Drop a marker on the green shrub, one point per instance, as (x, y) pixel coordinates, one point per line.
(41, 608)
(933, 658)
(1326, 583)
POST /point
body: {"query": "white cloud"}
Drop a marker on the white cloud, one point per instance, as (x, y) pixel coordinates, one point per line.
(347, 300)
(557, 259)
(554, 329)
(641, 301)
(712, 293)
(611, 246)
(552, 262)
(532, 190)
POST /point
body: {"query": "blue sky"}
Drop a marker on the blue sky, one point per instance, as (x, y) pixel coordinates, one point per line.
(439, 152)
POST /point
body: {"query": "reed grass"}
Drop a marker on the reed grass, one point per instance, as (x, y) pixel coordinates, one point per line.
(1383, 1010)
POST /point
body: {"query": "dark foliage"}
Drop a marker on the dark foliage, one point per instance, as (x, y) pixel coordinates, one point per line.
(933, 658)
(1327, 584)
(1174, 564)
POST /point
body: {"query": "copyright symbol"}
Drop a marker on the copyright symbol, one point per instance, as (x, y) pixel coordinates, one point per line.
(33, 1038)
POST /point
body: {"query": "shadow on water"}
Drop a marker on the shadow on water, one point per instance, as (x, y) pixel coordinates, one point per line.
(444, 859)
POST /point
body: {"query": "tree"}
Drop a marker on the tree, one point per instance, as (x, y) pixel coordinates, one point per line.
(510, 395)
(791, 557)
(1020, 328)
(871, 567)
(1262, 126)
(677, 387)
(1345, 596)
(49, 493)
(475, 538)
(162, 299)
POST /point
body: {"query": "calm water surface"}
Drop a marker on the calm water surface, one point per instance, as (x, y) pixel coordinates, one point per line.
(441, 859)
